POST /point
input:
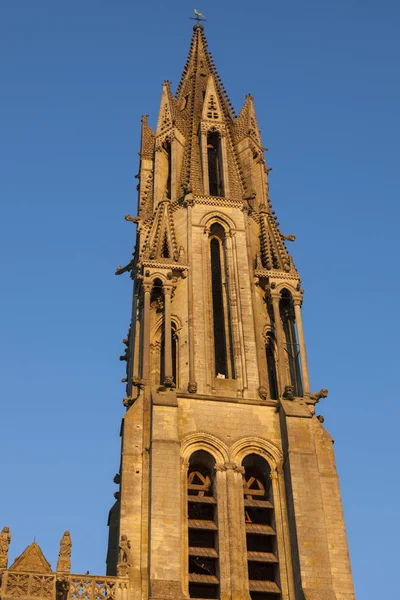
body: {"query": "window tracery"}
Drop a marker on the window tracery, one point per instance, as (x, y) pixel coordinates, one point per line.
(212, 109)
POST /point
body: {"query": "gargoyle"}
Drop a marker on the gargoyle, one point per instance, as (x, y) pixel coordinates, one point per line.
(323, 393)
(250, 196)
(288, 238)
(132, 219)
(128, 267)
(137, 382)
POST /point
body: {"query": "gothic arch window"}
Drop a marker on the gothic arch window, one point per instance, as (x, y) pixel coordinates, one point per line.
(214, 160)
(262, 551)
(286, 309)
(223, 347)
(271, 365)
(203, 563)
(168, 155)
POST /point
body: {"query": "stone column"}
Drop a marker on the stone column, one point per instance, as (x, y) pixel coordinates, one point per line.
(279, 340)
(238, 551)
(224, 550)
(185, 530)
(147, 287)
(225, 168)
(192, 385)
(303, 357)
(233, 311)
(169, 380)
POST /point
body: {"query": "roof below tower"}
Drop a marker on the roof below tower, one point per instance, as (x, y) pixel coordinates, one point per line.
(32, 559)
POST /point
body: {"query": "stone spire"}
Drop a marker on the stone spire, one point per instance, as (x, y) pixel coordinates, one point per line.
(198, 75)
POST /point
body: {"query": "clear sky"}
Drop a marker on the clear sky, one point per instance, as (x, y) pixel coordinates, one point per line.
(76, 76)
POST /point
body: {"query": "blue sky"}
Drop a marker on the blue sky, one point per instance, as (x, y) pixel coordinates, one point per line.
(76, 77)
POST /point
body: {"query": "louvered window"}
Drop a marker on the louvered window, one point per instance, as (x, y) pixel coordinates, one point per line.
(262, 552)
(203, 527)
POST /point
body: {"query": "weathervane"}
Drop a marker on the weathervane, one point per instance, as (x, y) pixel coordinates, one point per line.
(199, 16)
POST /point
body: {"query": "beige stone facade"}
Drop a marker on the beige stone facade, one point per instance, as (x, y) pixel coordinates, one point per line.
(228, 486)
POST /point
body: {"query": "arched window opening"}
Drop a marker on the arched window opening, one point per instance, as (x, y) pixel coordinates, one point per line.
(223, 347)
(214, 158)
(174, 356)
(156, 296)
(271, 365)
(166, 148)
(291, 346)
(165, 253)
(262, 552)
(203, 529)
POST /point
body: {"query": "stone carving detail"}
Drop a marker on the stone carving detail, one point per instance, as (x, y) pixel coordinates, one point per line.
(323, 393)
(138, 382)
(92, 588)
(169, 382)
(124, 556)
(263, 393)
(5, 539)
(17, 585)
(42, 586)
(192, 387)
(288, 238)
(64, 555)
(62, 588)
(288, 393)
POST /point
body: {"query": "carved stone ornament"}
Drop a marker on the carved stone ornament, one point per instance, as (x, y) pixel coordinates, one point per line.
(169, 382)
(128, 401)
(138, 382)
(64, 555)
(5, 539)
(192, 387)
(62, 588)
(132, 219)
(124, 553)
(288, 238)
(263, 393)
(288, 393)
(323, 393)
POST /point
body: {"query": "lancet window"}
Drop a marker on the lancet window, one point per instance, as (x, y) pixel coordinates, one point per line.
(203, 565)
(167, 151)
(214, 160)
(262, 551)
(223, 350)
(287, 313)
(271, 365)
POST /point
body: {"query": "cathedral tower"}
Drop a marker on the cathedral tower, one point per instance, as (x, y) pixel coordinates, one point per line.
(228, 486)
